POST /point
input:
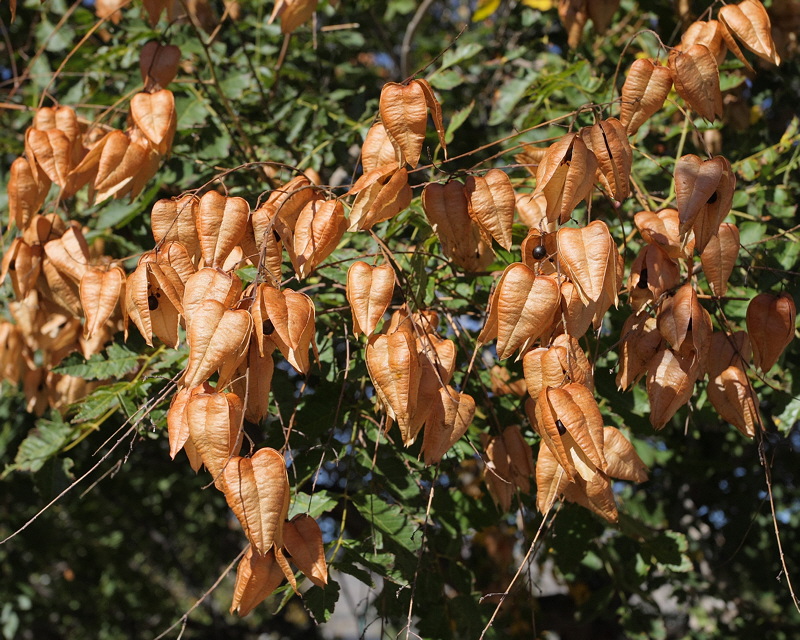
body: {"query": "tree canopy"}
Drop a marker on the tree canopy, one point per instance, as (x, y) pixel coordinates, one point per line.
(488, 307)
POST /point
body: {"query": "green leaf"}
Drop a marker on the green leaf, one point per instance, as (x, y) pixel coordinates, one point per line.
(458, 118)
(42, 443)
(454, 56)
(320, 602)
(99, 401)
(314, 505)
(119, 361)
(395, 523)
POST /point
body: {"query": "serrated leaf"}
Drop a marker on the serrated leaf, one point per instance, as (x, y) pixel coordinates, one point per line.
(99, 401)
(42, 443)
(314, 504)
(320, 602)
(118, 362)
(391, 520)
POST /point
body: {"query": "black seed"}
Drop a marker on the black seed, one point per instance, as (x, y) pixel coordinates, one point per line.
(561, 428)
(152, 302)
(642, 284)
(539, 252)
(713, 198)
(12, 265)
(689, 328)
(276, 236)
(268, 328)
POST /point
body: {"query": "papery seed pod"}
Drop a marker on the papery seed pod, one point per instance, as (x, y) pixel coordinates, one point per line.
(286, 202)
(257, 491)
(542, 368)
(287, 318)
(23, 263)
(221, 223)
(303, 541)
(623, 461)
(436, 111)
(588, 257)
(393, 366)
(26, 193)
(383, 194)
(447, 209)
(728, 350)
(601, 12)
(719, 257)
(69, 253)
(608, 141)
(210, 284)
(749, 22)
(706, 33)
(215, 421)
(293, 13)
(158, 64)
(491, 203)
(319, 228)
(51, 150)
(646, 87)
(404, 114)
(154, 114)
(734, 398)
(450, 417)
(497, 472)
(670, 384)
(378, 150)
(520, 457)
(652, 274)
(663, 229)
(218, 339)
(565, 176)
(369, 292)
(771, 325)
(100, 291)
(696, 78)
(640, 340)
(563, 427)
(681, 317)
(595, 494)
(573, 15)
(178, 425)
(120, 159)
(551, 479)
(521, 308)
(257, 576)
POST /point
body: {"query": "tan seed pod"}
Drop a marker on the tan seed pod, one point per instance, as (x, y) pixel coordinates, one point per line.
(404, 114)
(221, 223)
(696, 78)
(257, 576)
(608, 141)
(749, 22)
(491, 202)
(154, 114)
(158, 64)
(257, 491)
(771, 325)
(646, 87)
(100, 291)
(369, 292)
(719, 257)
(303, 541)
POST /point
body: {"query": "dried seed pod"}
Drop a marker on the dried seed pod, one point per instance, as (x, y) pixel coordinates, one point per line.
(221, 223)
(378, 150)
(565, 176)
(670, 384)
(491, 203)
(719, 257)
(303, 541)
(154, 114)
(771, 325)
(382, 194)
(369, 292)
(257, 576)
(320, 226)
(404, 114)
(447, 209)
(521, 308)
(696, 78)
(257, 491)
(100, 291)
(646, 88)
(215, 421)
(608, 141)
(158, 64)
(749, 22)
